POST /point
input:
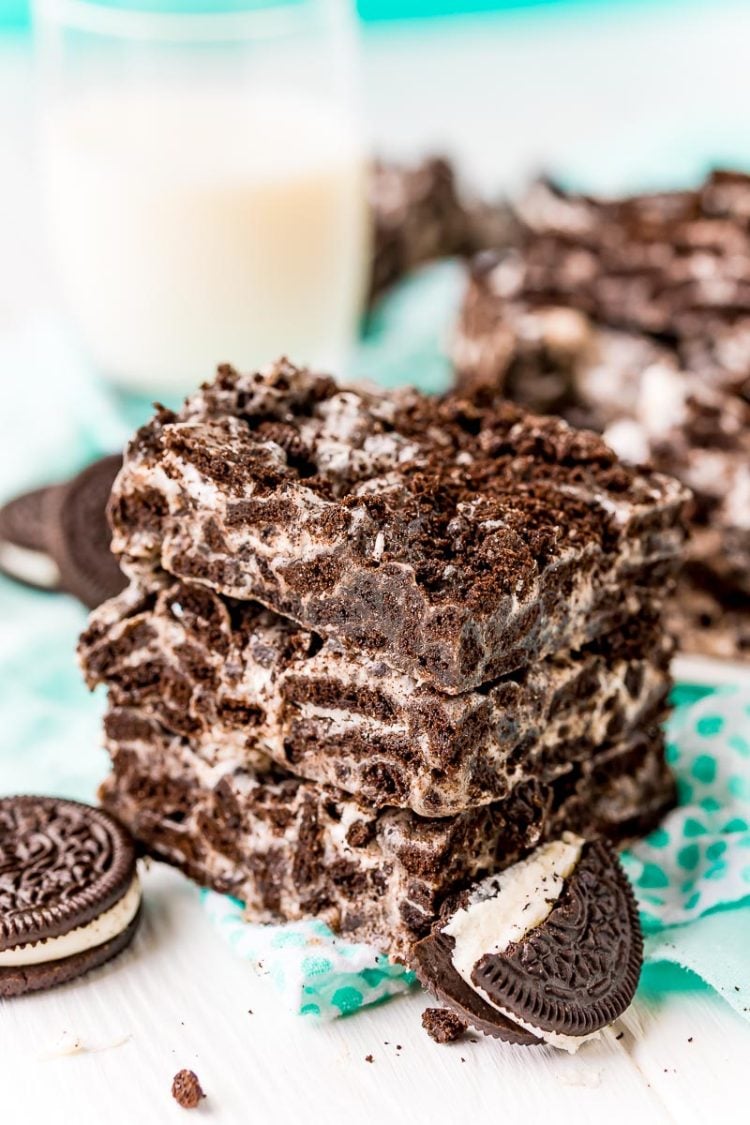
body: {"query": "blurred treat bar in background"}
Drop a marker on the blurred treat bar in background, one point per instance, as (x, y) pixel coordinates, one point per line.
(420, 214)
(632, 316)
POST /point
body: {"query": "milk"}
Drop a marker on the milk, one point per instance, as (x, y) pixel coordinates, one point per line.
(196, 227)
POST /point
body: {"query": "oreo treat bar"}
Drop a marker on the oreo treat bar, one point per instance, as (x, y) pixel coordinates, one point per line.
(288, 848)
(633, 316)
(233, 678)
(548, 951)
(419, 214)
(453, 541)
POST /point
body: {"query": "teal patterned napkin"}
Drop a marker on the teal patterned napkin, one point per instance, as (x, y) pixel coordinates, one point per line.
(699, 858)
(316, 973)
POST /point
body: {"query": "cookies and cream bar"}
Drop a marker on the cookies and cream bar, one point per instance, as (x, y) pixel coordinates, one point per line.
(418, 214)
(633, 317)
(234, 678)
(289, 848)
(453, 541)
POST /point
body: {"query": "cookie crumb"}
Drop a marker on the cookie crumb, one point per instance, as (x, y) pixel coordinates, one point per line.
(369, 1058)
(619, 1036)
(186, 1089)
(690, 1039)
(442, 1025)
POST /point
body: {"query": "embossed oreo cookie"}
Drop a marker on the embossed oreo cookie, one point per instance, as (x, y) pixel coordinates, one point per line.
(70, 898)
(58, 538)
(547, 951)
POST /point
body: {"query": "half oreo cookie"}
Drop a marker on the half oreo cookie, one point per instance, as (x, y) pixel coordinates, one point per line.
(547, 951)
(58, 538)
(70, 898)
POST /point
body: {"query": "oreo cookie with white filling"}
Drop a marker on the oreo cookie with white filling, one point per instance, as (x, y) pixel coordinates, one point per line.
(24, 541)
(547, 951)
(58, 538)
(80, 535)
(70, 898)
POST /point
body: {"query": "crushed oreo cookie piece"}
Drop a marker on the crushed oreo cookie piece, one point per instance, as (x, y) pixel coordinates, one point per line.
(443, 1025)
(187, 1090)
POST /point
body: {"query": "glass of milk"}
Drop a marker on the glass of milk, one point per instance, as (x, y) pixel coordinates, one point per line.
(205, 180)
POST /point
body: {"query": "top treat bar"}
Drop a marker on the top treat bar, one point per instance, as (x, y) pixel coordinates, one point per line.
(455, 541)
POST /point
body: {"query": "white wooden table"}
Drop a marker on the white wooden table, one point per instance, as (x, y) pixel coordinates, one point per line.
(179, 999)
(506, 101)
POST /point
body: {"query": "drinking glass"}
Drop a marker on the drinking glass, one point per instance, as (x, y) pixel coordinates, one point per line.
(204, 176)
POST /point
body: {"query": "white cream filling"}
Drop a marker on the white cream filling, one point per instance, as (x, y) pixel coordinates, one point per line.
(504, 908)
(100, 929)
(28, 565)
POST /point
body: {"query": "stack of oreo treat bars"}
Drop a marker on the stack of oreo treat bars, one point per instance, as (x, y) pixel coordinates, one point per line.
(376, 647)
(632, 316)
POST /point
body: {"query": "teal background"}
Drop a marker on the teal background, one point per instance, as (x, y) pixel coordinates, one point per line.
(14, 14)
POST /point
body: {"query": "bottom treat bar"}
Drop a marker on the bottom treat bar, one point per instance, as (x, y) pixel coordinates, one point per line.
(289, 848)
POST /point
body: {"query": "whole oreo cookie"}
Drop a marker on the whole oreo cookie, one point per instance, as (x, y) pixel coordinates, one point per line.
(549, 950)
(58, 538)
(24, 540)
(80, 536)
(70, 898)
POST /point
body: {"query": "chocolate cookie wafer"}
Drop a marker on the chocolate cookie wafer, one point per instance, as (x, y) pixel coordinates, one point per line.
(70, 898)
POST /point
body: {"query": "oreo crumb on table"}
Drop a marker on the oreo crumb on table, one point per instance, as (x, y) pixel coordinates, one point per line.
(443, 1025)
(369, 1058)
(186, 1089)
